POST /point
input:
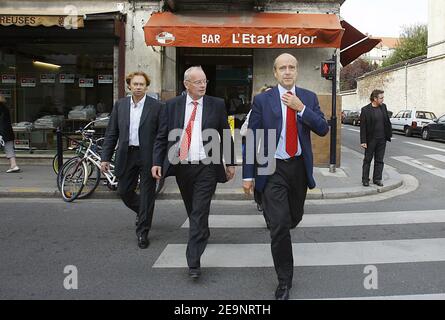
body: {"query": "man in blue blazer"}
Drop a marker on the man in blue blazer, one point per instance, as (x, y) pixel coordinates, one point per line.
(291, 113)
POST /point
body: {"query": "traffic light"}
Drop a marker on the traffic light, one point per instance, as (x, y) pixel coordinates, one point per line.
(328, 69)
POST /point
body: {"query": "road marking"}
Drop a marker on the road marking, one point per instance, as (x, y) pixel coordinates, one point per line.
(439, 296)
(332, 220)
(437, 157)
(424, 146)
(421, 166)
(354, 130)
(310, 254)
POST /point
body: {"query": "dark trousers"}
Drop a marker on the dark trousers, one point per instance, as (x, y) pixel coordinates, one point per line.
(144, 202)
(283, 199)
(376, 149)
(197, 184)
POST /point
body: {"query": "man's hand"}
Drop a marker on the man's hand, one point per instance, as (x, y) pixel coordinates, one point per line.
(364, 145)
(104, 166)
(156, 172)
(293, 102)
(230, 173)
(248, 187)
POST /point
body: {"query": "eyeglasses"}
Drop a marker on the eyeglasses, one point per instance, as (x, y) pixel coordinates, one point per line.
(198, 82)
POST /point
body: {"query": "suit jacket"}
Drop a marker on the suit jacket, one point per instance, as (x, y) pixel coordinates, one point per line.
(367, 124)
(118, 129)
(266, 114)
(5, 124)
(214, 116)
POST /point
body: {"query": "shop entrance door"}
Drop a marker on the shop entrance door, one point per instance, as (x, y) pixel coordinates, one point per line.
(229, 72)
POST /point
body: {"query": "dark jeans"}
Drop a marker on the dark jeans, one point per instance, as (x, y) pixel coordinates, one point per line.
(376, 149)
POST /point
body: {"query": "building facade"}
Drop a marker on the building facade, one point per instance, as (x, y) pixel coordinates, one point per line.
(72, 71)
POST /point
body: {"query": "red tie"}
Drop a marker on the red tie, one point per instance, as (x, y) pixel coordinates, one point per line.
(291, 132)
(187, 139)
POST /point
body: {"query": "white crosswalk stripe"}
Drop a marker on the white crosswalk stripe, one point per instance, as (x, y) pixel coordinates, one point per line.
(310, 254)
(318, 254)
(425, 146)
(332, 220)
(345, 254)
(422, 165)
(438, 157)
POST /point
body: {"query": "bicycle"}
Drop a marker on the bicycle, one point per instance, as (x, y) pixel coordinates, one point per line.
(84, 171)
(79, 147)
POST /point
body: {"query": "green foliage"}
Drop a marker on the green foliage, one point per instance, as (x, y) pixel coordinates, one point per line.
(413, 43)
(350, 73)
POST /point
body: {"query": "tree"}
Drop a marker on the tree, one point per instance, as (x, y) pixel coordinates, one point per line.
(350, 73)
(413, 43)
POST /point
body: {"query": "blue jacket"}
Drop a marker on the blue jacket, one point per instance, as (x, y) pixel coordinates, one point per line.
(266, 114)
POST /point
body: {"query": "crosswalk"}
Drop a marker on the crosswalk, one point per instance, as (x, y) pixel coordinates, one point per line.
(319, 254)
(431, 163)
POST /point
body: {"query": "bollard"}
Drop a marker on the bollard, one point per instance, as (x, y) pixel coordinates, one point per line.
(59, 148)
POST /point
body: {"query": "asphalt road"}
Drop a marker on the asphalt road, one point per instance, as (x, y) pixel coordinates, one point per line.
(336, 248)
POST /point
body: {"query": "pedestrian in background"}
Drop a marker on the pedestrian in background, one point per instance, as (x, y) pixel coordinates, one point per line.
(375, 130)
(7, 135)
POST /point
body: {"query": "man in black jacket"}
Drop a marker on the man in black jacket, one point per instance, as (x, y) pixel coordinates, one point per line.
(375, 130)
(134, 122)
(187, 156)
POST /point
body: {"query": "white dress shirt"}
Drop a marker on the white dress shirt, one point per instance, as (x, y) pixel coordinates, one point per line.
(281, 148)
(135, 119)
(196, 151)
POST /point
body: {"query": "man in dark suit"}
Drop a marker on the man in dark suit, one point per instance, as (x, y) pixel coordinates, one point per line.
(292, 113)
(190, 159)
(134, 123)
(375, 130)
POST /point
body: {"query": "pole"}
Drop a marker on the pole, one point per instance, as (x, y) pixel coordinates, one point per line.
(333, 161)
(59, 148)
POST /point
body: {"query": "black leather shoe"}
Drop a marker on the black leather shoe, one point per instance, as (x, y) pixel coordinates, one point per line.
(194, 273)
(143, 241)
(282, 292)
(378, 183)
(366, 183)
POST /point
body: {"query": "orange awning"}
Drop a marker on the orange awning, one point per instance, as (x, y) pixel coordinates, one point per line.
(246, 30)
(354, 44)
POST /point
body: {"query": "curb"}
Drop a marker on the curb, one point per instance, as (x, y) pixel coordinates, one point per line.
(223, 194)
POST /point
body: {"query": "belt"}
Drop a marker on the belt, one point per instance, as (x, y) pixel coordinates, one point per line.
(291, 159)
(132, 148)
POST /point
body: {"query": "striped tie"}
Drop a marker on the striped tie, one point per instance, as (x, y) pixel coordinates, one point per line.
(187, 139)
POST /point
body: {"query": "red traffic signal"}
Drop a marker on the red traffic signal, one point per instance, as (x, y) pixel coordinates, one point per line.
(328, 69)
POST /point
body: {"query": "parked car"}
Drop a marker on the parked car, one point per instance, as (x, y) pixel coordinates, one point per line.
(352, 118)
(344, 113)
(411, 121)
(435, 129)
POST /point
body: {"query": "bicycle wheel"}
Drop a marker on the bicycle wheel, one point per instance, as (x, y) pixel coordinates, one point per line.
(92, 181)
(74, 180)
(65, 167)
(56, 164)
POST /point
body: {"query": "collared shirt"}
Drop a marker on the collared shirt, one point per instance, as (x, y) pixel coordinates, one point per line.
(135, 119)
(281, 148)
(196, 151)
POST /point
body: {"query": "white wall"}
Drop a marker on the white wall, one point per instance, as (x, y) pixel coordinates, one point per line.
(139, 56)
(436, 28)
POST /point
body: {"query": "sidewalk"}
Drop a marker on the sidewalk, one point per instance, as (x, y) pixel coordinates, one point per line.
(39, 180)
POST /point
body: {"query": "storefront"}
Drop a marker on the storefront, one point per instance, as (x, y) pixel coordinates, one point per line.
(237, 50)
(59, 71)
